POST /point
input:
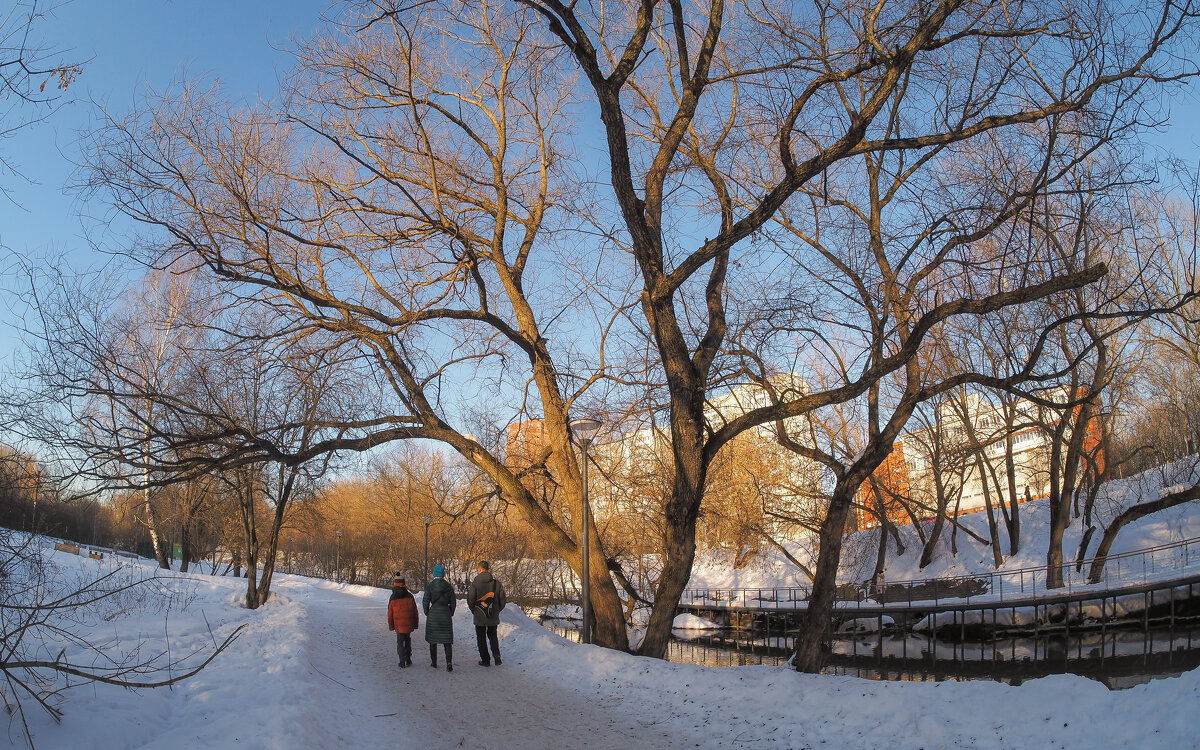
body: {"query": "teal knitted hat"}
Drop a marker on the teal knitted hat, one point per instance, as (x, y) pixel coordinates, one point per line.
(439, 571)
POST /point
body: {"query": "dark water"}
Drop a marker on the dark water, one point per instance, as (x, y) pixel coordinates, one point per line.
(1116, 658)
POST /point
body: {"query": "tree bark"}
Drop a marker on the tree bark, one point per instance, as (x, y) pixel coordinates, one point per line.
(812, 640)
(156, 541)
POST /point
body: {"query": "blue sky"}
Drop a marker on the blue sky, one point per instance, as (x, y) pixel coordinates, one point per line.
(128, 47)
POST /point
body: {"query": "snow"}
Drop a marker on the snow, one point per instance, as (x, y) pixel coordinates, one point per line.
(1016, 618)
(563, 612)
(867, 624)
(692, 622)
(316, 668)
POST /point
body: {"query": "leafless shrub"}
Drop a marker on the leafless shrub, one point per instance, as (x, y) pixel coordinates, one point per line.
(46, 613)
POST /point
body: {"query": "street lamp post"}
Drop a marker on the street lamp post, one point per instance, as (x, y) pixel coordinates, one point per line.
(337, 565)
(582, 431)
(425, 572)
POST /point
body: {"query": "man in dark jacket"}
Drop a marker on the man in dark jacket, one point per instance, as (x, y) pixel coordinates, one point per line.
(486, 598)
(403, 619)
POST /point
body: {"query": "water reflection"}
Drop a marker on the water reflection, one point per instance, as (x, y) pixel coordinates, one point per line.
(1117, 658)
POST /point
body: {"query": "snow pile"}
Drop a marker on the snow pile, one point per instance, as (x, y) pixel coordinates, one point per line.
(866, 625)
(1020, 617)
(692, 622)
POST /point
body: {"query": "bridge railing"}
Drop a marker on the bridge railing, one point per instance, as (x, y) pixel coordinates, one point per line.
(1139, 566)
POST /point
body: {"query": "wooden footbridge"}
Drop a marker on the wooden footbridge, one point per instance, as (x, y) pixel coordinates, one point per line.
(1159, 583)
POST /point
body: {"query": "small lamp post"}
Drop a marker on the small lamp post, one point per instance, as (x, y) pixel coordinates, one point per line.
(337, 566)
(582, 432)
(425, 574)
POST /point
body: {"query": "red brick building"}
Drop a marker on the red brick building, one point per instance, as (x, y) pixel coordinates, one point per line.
(525, 442)
(879, 492)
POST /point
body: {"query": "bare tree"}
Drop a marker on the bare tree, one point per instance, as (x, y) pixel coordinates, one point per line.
(102, 363)
(939, 462)
(1120, 229)
(1169, 497)
(1166, 430)
(283, 398)
(418, 194)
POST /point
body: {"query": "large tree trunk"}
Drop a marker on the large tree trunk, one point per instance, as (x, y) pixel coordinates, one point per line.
(246, 504)
(1054, 553)
(880, 553)
(1059, 508)
(1077, 421)
(811, 644)
(679, 553)
(885, 527)
(682, 512)
(185, 547)
(268, 560)
(939, 521)
(608, 620)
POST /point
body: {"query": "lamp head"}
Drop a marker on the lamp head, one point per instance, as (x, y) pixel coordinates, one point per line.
(583, 430)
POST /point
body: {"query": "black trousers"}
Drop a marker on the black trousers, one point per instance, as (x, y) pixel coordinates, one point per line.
(404, 647)
(449, 648)
(485, 634)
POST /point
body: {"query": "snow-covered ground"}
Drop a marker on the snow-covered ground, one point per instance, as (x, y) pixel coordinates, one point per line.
(316, 668)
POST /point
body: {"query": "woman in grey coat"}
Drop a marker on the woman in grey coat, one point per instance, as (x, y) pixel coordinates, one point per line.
(438, 603)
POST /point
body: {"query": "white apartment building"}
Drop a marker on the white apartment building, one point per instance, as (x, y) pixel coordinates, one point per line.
(1017, 429)
(991, 426)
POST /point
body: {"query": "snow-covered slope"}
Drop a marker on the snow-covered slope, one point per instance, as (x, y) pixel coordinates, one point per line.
(769, 569)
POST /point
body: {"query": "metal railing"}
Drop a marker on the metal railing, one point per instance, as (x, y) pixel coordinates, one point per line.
(1139, 566)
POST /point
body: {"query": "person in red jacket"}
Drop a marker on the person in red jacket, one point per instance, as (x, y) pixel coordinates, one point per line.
(402, 618)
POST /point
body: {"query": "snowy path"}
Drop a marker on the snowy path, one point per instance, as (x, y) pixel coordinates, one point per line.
(358, 691)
